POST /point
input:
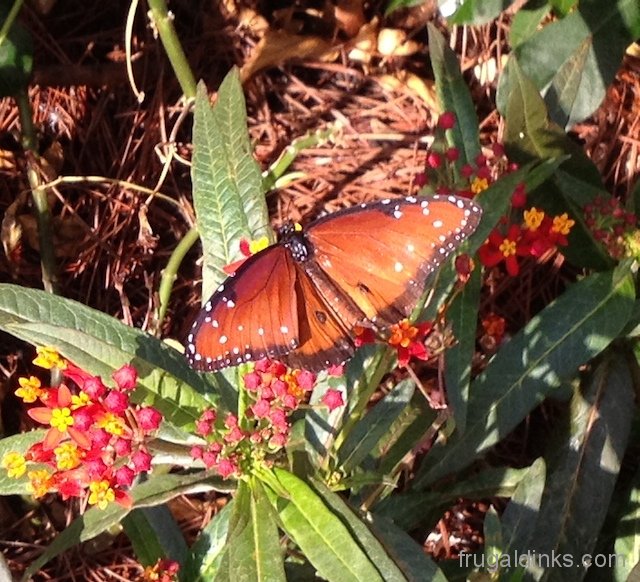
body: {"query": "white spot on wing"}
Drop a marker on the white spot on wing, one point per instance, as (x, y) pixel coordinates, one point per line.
(398, 267)
(223, 339)
(284, 329)
(260, 331)
(397, 214)
(230, 304)
(437, 224)
(411, 248)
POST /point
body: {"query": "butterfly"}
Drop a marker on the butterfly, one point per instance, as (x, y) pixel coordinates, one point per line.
(300, 300)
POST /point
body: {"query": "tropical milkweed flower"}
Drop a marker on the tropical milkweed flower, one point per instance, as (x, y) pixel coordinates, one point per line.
(500, 248)
(94, 445)
(234, 443)
(408, 340)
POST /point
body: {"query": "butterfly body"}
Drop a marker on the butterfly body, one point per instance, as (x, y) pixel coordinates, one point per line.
(300, 299)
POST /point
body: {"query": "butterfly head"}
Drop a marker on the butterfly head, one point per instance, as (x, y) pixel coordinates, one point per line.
(291, 236)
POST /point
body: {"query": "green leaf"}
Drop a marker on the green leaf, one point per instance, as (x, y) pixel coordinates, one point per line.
(154, 534)
(227, 182)
(100, 344)
(406, 553)
(19, 443)
(389, 569)
(413, 509)
(252, 532)
(584, 472)
(562, 7)
(520, 516)
(158, 489)
(478, 12)
(454, 96)
(462, 315)
(374, 426)
(526, 21)
(530, 135)
(407, 431)
(492, 537)
(207, 552)
(16, 59)
(550, 348)
(588, 46)
(322, 536)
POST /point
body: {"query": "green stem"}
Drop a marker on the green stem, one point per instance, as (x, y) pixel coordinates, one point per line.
(39, 194)
(163, 22)
(271, 176)
(6, 25)
(171, 272)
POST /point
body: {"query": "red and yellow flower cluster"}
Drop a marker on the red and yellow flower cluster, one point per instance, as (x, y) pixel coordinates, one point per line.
(406, 338)
(95, 441)
(537, 235)
(234, 444)
(273, 394)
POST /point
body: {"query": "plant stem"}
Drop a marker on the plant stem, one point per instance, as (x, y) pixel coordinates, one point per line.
(13, 13)
(163, 21)
(170, 273)
(271, 176)
(39, 194)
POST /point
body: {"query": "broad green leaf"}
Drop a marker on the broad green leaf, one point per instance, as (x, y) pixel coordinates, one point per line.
(627, 542)
(320, 533)
(389, 569)
(526, 21)
(574, 60)
(100, 344)
(227, 182)
(584, 472)
(154, 534)
(413, 509)
(530, 135)
(19, 443)
(453, 95)
(253, 549)
(462, 315)
(374, 426)
(16, 58)
(520, 516)
(550, 348)
(207, 552)
(478, 12)
(158, 489)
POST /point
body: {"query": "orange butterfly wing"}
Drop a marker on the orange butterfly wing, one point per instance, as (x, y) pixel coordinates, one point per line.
(269, 309)
(380, 255)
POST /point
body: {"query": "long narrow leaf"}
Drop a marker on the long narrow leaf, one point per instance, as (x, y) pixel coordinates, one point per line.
(320, 533)
(227, 182)
(566, 334)
(454, 96)
(252, 532)
(580, 486)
